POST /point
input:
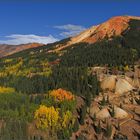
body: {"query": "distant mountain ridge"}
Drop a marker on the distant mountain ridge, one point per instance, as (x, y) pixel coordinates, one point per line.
(11, 49)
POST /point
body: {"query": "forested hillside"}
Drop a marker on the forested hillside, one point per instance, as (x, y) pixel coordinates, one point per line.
(38, 81)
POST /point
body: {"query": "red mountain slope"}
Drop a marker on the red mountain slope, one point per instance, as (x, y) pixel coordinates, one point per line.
(113, 27)
(10, 49)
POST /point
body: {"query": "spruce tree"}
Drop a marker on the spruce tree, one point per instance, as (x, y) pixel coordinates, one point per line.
(107, 99)
(88, 99)
(108, 130)
(94, 117)
(98, 128)
(82, 114)
(121, 106)
(118, 127)
(76, 125)
(103, 102)
(113, 112)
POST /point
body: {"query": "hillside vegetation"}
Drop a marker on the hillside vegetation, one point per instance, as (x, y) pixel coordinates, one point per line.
(40, 88)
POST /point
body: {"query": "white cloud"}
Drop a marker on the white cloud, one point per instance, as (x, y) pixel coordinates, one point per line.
(16, 39)
(70, 30)
(70, 27)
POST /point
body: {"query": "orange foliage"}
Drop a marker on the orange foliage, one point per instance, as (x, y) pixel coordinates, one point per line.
(61, 94)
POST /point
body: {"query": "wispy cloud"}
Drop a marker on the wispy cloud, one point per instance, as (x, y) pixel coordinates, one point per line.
(70, 29)
(66, 31)
(16, 39)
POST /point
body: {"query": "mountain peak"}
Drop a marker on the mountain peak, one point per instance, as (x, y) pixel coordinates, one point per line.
(114, 26)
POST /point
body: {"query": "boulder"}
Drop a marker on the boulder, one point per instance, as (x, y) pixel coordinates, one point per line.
(137, 71)
(103, 114)
(120, 113)
(126, 101)
(137, 111)
(109, 82)
(129, 74)
(122, 86)
(129, 80)
(93, 110)
(133, 101)
(136, 83)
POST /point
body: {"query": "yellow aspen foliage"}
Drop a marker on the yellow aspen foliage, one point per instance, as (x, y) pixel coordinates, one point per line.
(8, 60)
(13, 69)
(6, 90)
(46, 117)
(61, 94)
(126, 68)
(67, 117)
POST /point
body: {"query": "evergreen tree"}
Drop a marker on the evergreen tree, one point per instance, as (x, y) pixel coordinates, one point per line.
(108, 130)
(76, 125)
(103, 102)
(107, 99)
(88, 99)
(98, 128)
(82, 114)
(113, 112)
(94, 117)
(121, 106)
(118, 126)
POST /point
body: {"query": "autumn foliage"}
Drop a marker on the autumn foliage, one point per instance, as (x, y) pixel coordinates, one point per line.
(51, 118)
(67, 117)
(61, 94)
(46, 117)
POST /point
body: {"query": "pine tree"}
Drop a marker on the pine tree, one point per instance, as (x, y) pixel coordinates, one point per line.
(88, 99)
(94, 117)
(113, 112)
(76, 125)
(82, 114)
(121, 106)
(108, 130)
(118, 127)
(98, 128)
(107, 99)
(103, 102)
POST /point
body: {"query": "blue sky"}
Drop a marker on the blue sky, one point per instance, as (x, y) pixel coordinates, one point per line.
(46, 21)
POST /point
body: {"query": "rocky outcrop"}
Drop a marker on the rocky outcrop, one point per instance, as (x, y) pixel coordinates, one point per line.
(129, 80)
(120, 113)
(93, 110)
(119, 84)
(122, 86)
(136, 83)
(137, 71)
(103, 113)
(109, 82)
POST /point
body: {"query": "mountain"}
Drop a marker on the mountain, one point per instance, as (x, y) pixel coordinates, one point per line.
(114, 43)
(79, 82)
(10, 49)
(115, 26)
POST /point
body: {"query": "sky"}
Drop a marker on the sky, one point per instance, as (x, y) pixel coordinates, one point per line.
(49, 21)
